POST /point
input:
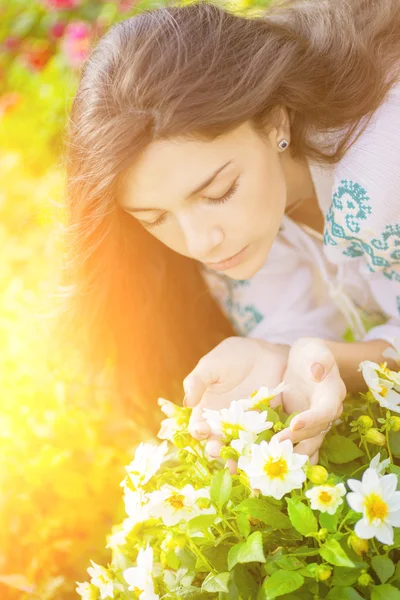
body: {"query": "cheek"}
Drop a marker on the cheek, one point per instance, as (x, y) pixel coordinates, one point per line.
(171, 236)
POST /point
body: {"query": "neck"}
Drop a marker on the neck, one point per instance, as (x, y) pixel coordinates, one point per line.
(299, 183)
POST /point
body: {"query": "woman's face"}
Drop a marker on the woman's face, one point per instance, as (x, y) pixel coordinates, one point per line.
(211, 200)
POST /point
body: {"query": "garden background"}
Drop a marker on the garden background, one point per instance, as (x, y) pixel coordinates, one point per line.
(63, 440)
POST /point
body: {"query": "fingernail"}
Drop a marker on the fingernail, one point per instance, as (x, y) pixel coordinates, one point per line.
(201, 429)
(318, 371)
(297, 425)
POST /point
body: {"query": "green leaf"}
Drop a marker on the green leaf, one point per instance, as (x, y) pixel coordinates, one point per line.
(343, 576)
(289, 563)
(396, 470)
(199, 523)
(249, 551)
(394, 441)
(302, 517)
(221, 486)
(243, 524)
(343, 593)
(383, 567)
(261, 509)
(282, 582)
(245, 583)
(330, 522)
(306, 551)
(172, 559)
(341, 449)
(334, 554)
(216, 583)
(385, 592)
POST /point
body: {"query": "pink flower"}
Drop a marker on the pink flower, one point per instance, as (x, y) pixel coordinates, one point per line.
(76, 42)
(57, 30)
(62, 4)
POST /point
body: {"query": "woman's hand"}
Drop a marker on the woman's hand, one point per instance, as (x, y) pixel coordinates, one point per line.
(238, 366)
(316, 390)
(232, 370)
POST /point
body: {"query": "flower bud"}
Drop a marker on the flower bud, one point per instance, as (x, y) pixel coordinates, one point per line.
(394, 423)
(203, 503)
(229, 452)
(373, 436)
(182, 439)
(317, 474)
(359, 545)
(365, 422)
(323, 572)
(322, 534)
(278, 426)
(364, 580)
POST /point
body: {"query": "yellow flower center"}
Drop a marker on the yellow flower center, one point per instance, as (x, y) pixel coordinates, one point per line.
(176, 501)
(383, 392)
(137, 591)
(231, 429)
(276, 469)
(325, 497)
(375, 507)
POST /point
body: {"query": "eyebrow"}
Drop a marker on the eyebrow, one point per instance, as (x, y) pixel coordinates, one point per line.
(198, 189)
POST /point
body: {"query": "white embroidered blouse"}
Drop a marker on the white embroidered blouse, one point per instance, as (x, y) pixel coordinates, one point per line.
(321, 286)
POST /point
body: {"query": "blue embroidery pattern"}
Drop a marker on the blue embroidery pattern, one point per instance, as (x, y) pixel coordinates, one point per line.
(243, 317)
(383, 253)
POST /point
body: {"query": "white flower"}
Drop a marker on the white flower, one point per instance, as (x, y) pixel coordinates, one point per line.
(174, 505)
(274, 468)
(262, 397)
(169, 408)
(375, 496)
(87, 591)
(140, 578)
(326, 498)
(100, 577)
(243, 443)
(384, 391)
(393, 352)
(229, 421)
(377, 465)
(148, 459)
(178, 419)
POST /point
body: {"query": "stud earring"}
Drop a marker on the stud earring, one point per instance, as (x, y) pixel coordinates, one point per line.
(283, 144)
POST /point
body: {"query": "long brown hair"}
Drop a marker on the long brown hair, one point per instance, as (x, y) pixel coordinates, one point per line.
(199, 70)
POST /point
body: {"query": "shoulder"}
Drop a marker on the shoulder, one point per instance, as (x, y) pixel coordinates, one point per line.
(363, 219)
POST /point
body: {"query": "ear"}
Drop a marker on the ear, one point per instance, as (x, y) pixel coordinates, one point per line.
(280, 125)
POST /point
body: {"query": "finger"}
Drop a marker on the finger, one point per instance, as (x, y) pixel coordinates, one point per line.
(198, 427)
(213, 446)
(317, 417)
(310, 446)
(314, 458)
(232, 465)
(197, 382)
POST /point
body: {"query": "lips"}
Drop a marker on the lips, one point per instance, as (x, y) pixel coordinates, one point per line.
(228, 263)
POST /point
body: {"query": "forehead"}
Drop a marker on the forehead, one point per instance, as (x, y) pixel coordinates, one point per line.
(171, 168)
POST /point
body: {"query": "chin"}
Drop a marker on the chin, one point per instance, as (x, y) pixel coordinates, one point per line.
(249, 267)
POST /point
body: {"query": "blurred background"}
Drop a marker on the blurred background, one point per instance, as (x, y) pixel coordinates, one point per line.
(63, 439)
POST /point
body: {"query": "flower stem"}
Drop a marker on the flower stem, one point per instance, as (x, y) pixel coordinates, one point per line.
(200, 555)
(367, 449)
(388, 445)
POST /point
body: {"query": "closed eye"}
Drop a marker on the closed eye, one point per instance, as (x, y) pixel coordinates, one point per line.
(226, 196)
(221, 200)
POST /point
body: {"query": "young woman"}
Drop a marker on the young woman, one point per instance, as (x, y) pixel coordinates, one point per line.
(237, 180)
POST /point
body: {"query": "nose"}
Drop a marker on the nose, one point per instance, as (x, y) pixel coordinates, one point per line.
(201, 237)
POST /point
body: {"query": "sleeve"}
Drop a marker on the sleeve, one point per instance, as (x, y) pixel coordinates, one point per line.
(363, 221)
